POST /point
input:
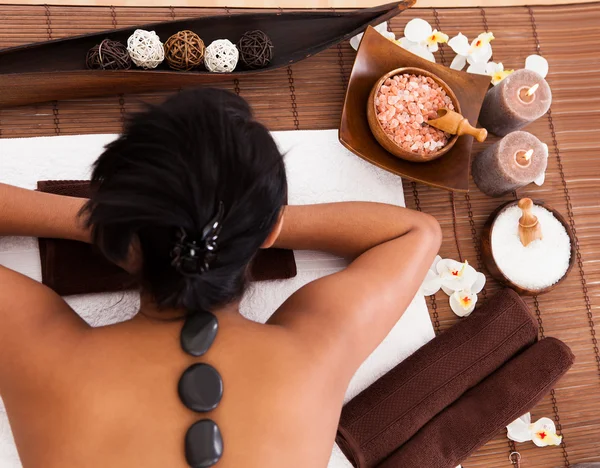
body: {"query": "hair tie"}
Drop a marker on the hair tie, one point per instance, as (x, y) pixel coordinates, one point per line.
(194, 256)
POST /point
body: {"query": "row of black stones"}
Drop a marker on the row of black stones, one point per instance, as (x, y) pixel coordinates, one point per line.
(201, 389)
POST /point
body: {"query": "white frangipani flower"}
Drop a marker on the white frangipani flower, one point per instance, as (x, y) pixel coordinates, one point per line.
(534, 63)
(479, 283)
(419, 31)
(541, 433)
(416, 49)
(537, 64)
(456, 276)
(542, 177)
(497, 72)
(436, 38)
(460, 45)
(432, 282)
(459, 280)
(481, 50)
(463, 302)
(476, 53)
(380, 28)
(416, 30)
(544, 433)
(420, 39)
(518, 430)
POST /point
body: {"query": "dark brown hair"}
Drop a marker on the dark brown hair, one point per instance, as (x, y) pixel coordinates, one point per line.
(170, 171)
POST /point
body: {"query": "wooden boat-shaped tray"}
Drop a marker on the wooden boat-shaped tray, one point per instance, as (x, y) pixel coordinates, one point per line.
(56, 70)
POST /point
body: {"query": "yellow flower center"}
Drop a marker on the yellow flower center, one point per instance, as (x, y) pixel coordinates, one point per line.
(482, 40)
(485, 39)
(437, 38)
(460, 272)
(466, 301)
(499, 76)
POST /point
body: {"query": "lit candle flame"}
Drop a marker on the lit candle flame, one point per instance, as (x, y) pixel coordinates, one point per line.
(533, 89)
(527, 155)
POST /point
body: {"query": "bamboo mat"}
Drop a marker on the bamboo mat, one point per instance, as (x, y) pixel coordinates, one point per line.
(293, 3)
(309, 95)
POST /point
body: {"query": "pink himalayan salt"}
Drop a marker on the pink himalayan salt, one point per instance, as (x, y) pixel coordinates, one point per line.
(404, 103)
(410, 101)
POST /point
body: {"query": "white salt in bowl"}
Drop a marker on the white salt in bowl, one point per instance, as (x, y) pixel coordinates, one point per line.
(494, 265)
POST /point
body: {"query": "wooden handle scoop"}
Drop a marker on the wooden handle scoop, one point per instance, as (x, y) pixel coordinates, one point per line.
(529, 226)
(455, 124)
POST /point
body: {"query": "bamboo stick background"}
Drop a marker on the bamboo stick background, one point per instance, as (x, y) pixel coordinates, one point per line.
(309, 95)
(292, 3)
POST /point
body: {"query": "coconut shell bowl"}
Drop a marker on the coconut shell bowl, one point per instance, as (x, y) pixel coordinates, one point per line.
(492, 266)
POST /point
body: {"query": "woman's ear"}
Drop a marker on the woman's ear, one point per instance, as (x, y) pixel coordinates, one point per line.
(134, 262)
(272, 237)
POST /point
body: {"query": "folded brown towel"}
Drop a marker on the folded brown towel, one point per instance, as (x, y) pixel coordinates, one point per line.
(486, 409)
(389, 412)
(70, 267)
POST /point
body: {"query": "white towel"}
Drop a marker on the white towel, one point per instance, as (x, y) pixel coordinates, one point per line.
(319, 169)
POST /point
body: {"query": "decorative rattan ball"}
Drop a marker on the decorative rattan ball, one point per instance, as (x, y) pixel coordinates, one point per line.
(108, 55)
(184, 50)
(145, 49)
(256, 49)
(221, 56)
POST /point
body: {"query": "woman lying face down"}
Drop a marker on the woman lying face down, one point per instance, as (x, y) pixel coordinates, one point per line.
(184, 199)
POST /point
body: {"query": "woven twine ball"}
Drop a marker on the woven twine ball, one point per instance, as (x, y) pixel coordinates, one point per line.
(256, 49)
(145, 49)
(221, 56)
(184, 50)
(108, 55)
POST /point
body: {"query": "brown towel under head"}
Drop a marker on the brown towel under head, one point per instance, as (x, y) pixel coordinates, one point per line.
(389, 412)
(486, 409)
(70, 267)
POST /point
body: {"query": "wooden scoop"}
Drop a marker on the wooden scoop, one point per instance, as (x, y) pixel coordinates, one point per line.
(529, 226)
(455, 124)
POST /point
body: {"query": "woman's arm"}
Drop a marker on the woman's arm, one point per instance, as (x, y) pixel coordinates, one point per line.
(346, 315)
(36, 325)
(28, 213)
(347, 229)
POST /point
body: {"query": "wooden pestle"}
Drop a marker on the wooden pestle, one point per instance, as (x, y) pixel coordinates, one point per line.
(529, 226)
(455, 124)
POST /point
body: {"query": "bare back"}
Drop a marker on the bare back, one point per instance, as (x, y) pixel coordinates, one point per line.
(107, 397)
(115, 403)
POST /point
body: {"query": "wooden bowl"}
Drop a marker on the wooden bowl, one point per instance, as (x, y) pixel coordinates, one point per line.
(377, 56)
(488, 257)
(382, 137)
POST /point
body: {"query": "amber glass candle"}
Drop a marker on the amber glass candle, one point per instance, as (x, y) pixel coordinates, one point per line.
(520, 98)
(515, 161)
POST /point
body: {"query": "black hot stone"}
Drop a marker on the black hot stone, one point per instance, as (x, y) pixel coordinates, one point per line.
(200, 388)
(203, 444)
(198, 333)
